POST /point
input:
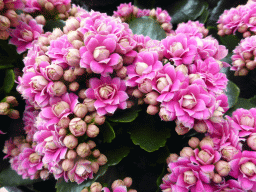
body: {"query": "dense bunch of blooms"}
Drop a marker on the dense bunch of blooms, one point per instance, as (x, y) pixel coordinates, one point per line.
(222, 161)
(127, 12)
(8, 16)
(241, 19)
(117, 186)
(243, 58)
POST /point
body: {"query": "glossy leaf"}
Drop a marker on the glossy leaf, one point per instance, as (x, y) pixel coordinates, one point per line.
(108, 132)
(149, 132)
(148, 27)
(230, 41)
(185, 10)
(232, 93)
(8, 80)
(125, 116)
(9, 177)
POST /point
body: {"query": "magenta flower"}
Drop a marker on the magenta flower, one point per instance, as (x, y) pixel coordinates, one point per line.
(98, 54)
(231, 185)
(162, 16)
(109, 94)
(243, 168)
(144, 67)
(180, 49)
(32, 6)
(124, 10)
(191, 28)
(24, 35)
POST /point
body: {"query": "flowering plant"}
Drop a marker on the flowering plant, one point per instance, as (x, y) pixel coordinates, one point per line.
(146, 97)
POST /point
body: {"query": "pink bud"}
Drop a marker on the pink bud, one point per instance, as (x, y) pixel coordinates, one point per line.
(64, 122)
(145, 86)
(137, 93)
(91, 144)
(247, 120)
(193, 77)
(12, 101)
(69, 75)
(4, 108)
(176, 46)
(1, 5)
(77, 44)
(74, 35)
(74, 86)
(100, 53)
(181, 129)
(38, 82)
(217, 178)
(166, 26)
(247, 55)
(189, 178)
(204, 156)
(223, 168)
(193, 142)
(4, 35)
(71, 154)
(80, 110)
(206, 141)
(81, 94)
(50, 143)
(96, 187)
(151, 98)
(14, 114)
(49, 6)
(228, 152)
(187, 152)
(57, 32)
(162, 83)
(79, 71)
(4, 23)
(77, 127)
(95, 167)
(34, 158)
(127, 181)
(200, 127)
(72, 24)
(122, 73)
(83, 150)
(54, 72)
(140, 67)
(57, 88)
(61, 8)
(251, 141)
(96, 153)
(70, 141)
(183, 68)
(88, 119)
(67, 164)
(63, 132)
(173, 157)
(248, 168)
(99, 120)
(152, 109)
(73, 57)
(15, 152)
(92, 131)
(117, 183)
(90, 104)
(60, 107)
(239, 63)
(40, 19)
(102, 160)
(44, 174)
(189, 101)
(243, 28)
(251, 65)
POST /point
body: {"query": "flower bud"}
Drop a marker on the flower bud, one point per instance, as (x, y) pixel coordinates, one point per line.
(54, 72)
(73, 57)
(251, 141)
(73, 35)
(145, 86)
(70, 141)
(137, 93)
(206, 141)
(81, 94)
(127, 181)
(49, 6)
(12, 101)
(193, 142)
(38, 82)
(152, 109)
(117, 183)
(92, 131)
(99, 120)
(40, 19)
(34, 158)
(247, 55)
(140, 67)
(100, 53)
(61, 8)
(4, 23)
(74, 86)
(181, 129)
(166, 26)
(173, 157)
(200, 127)
(229, 152)
(4, 35)
(79, 71)
(69, 75)
(77, 126)
(189, 178)
(77, 44)
(91, 144)
(14, 114)
(96, 153)
(71, 154)
(80, 110)
(44, 174)
(248, 168)
(64, 122)
(223, 168)
(83, 150)
(57, 32)
(187, 152)
(72, 24)
(15, 152)
(57, 88)
(60, 107)
(151, 98)
(89, 104)
(183, 68)
(95, 167)
(217, 178)
(4, 108)
(67, 164)
(88, 119)
(96, 187)
(251, 65)
(1, 5)
(102, 160)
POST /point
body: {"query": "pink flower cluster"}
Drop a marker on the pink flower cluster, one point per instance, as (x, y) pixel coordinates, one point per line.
(8, 16)
(127, 12)
(181, 79)
(241, 19)
(223, 160)
(117, 186)
(243, 58)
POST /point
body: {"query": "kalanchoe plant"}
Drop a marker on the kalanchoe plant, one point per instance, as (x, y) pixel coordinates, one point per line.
(108, 95)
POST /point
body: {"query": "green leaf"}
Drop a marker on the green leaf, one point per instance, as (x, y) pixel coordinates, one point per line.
(204, 16)
(108, 132)
(185, 10)
(9, 177)
(149, 132)
(8, 80)
(230, 41)
(125, 116)
(232, 93)
(148, 27)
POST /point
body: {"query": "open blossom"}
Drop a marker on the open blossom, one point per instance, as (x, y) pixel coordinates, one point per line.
(180, 49)
(109, 94)
(24, 35)
(99, 56)
(124, 10)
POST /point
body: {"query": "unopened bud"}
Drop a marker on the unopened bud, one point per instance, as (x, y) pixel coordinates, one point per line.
(69, 75)
(127, 181)
(92, 131)
(67, 164)
(44, 174)
(193, 142)
(49, 6)
(117, 183)
(95, 167)
(151, 98)
(64, 122)
(206, 141)
(96, 153)
(99, 120)
(40, 19)
(71, 154)
(83, 150)
(70, 141)
(102, 160)
(223, 168)
(14, 114)
(91, 144)
(4, 23)
(187, 152)
(96, 187)
(152, 109)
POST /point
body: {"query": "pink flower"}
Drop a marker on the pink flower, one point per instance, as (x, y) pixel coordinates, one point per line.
(24, 35)
(32, 6)
(231, 185)
(243, 168)
(180, 49)
(190, 28)
(162, 16)
(98, 54)
(124, 10)
(144, 67)
(206, 156)
(109, 94)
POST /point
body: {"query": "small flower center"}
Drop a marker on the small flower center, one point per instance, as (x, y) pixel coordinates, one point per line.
(100, 53)
(106, 91)
(176, 46)
(140, 67)
(189, 101)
